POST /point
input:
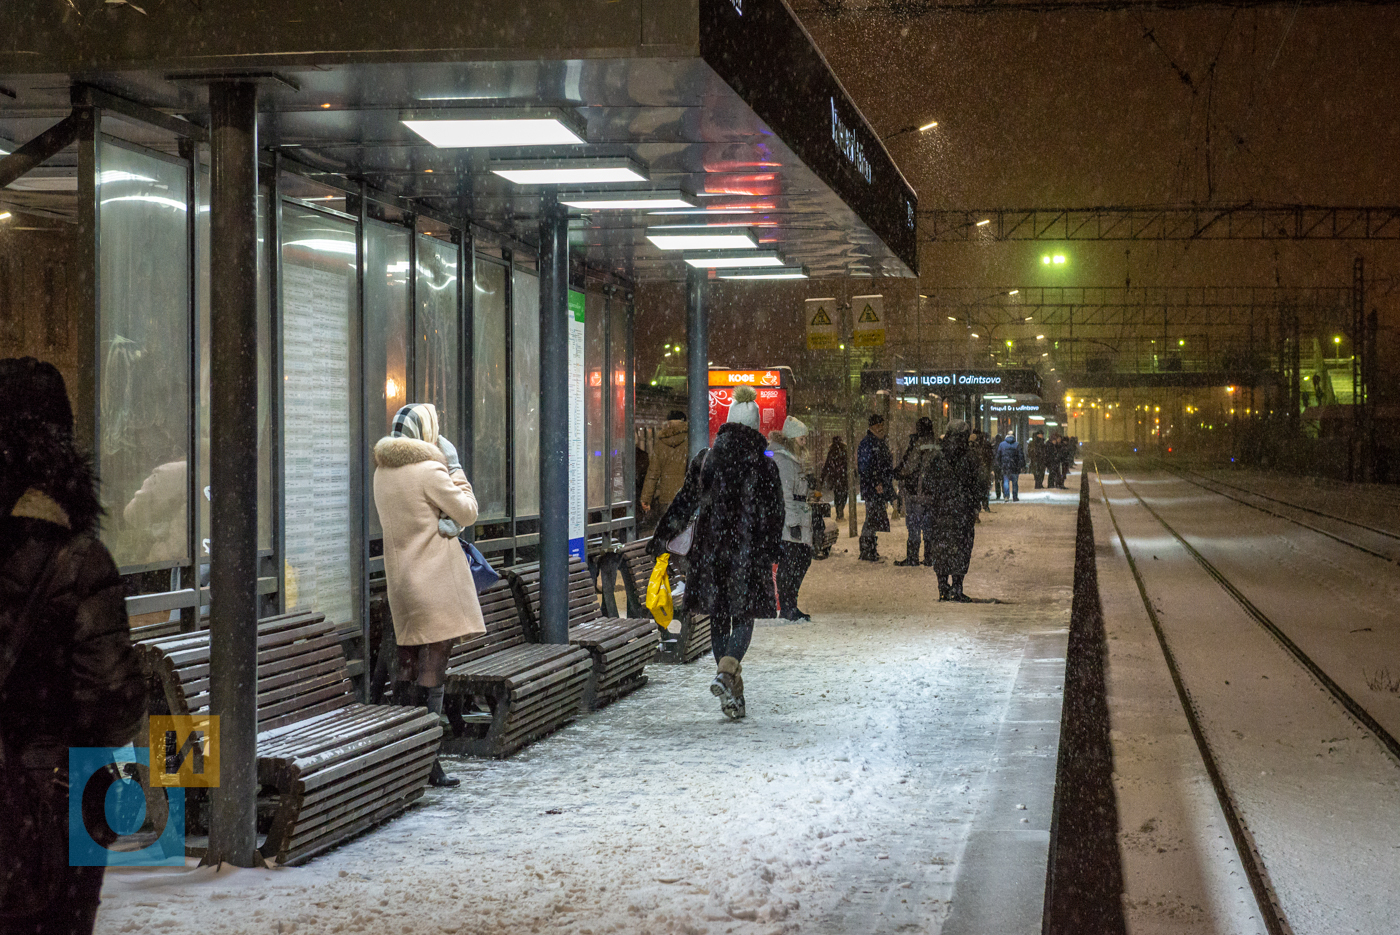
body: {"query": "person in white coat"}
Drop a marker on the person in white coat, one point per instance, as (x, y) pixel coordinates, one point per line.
(424, 500)
(788, 445)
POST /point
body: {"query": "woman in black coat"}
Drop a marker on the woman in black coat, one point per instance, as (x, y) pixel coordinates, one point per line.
(68, 674)
(738, 539)
(955, 484)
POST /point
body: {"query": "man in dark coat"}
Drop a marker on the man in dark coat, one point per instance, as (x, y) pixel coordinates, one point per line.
(834, 475)
(1035, 452)
(876, 468)
(68, 674)
(1010, 461)
(955, 485)
(736, 496)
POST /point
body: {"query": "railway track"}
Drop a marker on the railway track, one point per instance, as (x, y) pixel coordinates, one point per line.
(1363, 537)
(1207, 731)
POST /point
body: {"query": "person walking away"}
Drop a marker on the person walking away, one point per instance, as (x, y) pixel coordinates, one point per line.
(787, 445)
(69, 676)
(875, 466)
(424, 501)
(923, 444)
(955, 485)
(1035, 452)
(666, 469)
(1066, 458)
(986, 455)
(1010, 461)
(734, 496)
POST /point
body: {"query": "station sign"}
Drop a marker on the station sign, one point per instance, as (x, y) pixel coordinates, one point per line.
(970, 381)
(754, 378)
(1023, 407)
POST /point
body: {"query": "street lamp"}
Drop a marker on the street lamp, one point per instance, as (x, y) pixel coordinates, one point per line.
(912, 128)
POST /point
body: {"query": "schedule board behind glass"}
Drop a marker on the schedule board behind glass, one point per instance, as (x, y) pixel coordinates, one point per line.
(490, 414)
(525, 361)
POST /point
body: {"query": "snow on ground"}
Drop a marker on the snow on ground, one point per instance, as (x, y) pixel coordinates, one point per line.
(841, 804)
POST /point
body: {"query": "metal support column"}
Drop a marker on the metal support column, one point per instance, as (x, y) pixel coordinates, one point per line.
(233, 579)
(554, 423)
(697, 360)
(85, 285)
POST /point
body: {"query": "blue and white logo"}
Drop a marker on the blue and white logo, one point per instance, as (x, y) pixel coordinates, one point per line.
(112, 786)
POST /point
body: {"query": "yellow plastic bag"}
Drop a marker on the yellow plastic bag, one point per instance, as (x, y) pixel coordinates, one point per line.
(659, 593)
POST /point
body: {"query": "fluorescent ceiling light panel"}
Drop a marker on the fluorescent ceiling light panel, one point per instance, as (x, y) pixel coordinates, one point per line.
(732, 239)
(569, 171)
(626, 201)
(777, 272)
(496, 126)
(735, 260)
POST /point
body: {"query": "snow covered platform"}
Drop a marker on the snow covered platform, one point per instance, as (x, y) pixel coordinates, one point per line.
(895, 774)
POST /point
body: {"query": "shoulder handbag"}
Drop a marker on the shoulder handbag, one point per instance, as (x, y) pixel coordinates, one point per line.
(483, 575)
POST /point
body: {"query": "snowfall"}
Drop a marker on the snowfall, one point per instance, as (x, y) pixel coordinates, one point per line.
(875, 746)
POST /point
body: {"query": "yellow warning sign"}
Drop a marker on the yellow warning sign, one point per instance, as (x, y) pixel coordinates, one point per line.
(869, 329)
(821, 328)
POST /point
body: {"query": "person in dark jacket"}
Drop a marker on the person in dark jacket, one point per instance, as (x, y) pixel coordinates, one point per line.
(734, 492)
(834, 476)
(1054, 462)
(923, 445)
(1010, 461)
(987, 453)
(68, 674)
(955, 485)
(875, 466)
(1035, 452)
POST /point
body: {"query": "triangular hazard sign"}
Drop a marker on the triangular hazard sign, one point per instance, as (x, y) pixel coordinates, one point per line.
(868, 315)
(821, 318)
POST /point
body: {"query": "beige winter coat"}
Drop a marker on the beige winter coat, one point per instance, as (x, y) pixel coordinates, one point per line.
(431, 593)
(666, 471)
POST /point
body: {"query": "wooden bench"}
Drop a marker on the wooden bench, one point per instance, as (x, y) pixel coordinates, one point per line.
(620, 648)
(328, 767)
(530, 689)
(691, 639)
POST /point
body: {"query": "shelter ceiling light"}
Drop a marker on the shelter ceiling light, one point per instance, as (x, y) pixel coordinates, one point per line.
(730, 239)
(455, 128)
(737, 259)
(569, 171)
(777, 272)
(605, 200)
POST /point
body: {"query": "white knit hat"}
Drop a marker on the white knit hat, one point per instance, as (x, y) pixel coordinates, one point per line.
(793, 428)
(744, 410)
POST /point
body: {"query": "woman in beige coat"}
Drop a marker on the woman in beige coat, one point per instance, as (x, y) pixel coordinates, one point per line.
(424, 499)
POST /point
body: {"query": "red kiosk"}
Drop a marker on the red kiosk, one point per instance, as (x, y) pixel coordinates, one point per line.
(773, 386)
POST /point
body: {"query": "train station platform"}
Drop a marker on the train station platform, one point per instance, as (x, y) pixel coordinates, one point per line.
(895, 774)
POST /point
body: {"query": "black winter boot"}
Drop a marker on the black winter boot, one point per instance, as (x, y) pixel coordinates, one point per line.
(432, 700)
(405, 693)
(945, 590)
(958, 594)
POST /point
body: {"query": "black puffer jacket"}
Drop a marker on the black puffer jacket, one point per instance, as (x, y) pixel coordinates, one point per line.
(739, 531)
(75, 680)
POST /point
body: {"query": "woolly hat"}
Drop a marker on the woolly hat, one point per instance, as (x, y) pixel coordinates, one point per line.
(792, 428)
(957, 427)
(745, 407)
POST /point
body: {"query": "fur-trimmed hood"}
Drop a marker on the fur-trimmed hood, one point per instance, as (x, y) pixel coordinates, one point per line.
(40, 469)
(391, 452)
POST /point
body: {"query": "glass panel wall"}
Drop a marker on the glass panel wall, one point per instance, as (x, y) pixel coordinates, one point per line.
(525, 370)
(143, 357)
(435, 357)
(318, 306)
(386, 340)
(490, 411)
(622, 447)
(595, 378)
